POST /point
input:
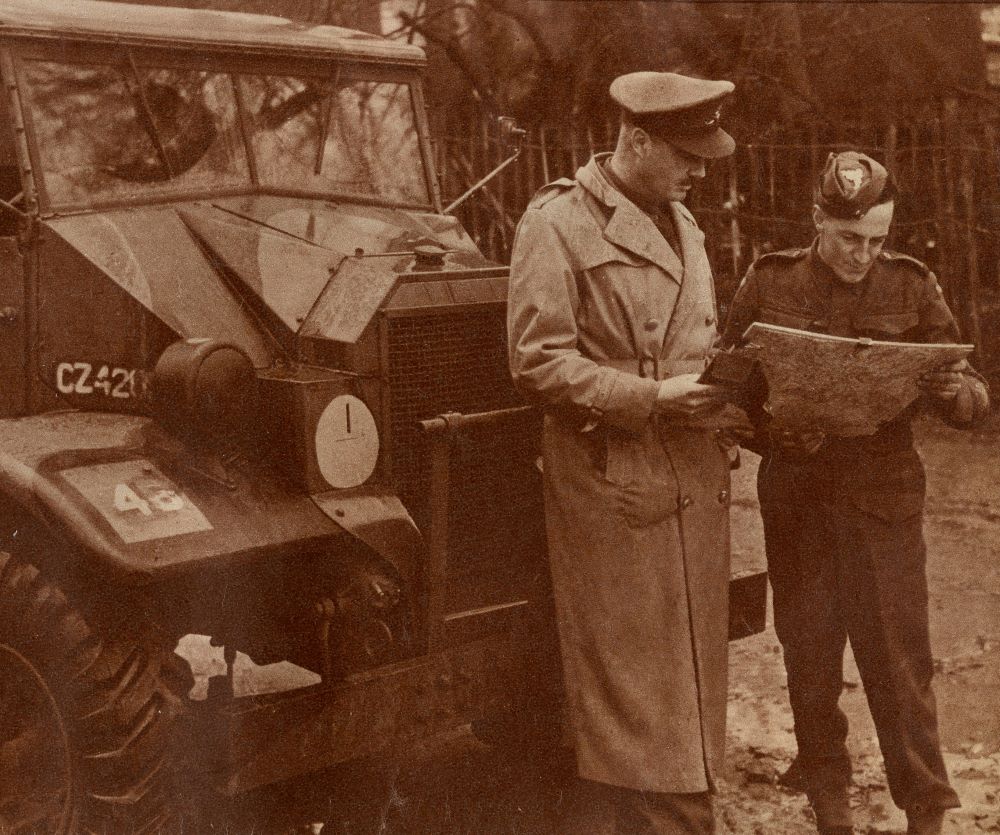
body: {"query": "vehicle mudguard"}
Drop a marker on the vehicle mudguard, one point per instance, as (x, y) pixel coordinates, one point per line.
(143, 505)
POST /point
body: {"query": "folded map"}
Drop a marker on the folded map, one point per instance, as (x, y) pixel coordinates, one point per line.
(842, 386)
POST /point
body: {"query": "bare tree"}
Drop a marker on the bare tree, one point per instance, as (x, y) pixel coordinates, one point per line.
(549, 61)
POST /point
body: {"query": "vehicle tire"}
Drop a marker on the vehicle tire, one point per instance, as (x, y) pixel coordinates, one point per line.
(85, 717)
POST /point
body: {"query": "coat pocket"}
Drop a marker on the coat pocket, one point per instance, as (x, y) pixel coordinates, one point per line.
(639, 475)
(801, 320)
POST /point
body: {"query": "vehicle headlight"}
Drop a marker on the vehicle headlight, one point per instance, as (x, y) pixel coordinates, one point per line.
(205, 386)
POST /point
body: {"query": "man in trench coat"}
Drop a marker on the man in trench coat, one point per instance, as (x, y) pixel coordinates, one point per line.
(611, 318)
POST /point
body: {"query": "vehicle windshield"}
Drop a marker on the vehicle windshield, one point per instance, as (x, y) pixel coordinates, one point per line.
(116, 133)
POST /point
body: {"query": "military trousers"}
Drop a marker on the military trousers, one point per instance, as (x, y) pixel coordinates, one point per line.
(592, 808)
(845, 568)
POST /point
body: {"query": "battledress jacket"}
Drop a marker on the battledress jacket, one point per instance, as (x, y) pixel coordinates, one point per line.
(637, 509)
(899, 300)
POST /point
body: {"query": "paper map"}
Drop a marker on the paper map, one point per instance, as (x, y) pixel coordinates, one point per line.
(840, 385)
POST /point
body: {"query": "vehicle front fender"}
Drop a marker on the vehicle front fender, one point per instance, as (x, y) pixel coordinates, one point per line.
(142, 505)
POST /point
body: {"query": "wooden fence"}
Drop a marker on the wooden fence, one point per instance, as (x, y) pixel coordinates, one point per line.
(948, 215)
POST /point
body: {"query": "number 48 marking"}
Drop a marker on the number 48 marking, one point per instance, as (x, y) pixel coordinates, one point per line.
(163, 500)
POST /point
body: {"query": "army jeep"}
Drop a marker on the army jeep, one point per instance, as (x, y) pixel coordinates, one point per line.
(253, 388)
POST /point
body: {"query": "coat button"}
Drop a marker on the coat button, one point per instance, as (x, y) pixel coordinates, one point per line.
(652, 325)
(709, 320)
(723, 496)
(686, 501)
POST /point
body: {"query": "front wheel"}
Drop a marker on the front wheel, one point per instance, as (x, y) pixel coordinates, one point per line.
(85, 717)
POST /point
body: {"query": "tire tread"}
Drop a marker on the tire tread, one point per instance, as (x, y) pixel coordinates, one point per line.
(120, 696)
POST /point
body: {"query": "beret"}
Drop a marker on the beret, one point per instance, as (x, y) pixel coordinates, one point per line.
(851, 183)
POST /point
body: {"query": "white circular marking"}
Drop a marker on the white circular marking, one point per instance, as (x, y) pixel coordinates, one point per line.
(346, 442)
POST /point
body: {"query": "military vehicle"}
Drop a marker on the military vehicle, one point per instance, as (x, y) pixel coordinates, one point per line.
(254, 388)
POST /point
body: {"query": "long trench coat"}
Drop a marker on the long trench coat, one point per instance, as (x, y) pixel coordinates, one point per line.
(637, 509)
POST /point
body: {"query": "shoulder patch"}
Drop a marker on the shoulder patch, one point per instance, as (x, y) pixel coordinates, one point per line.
(900, 259)
(547, 192)
(781, 255)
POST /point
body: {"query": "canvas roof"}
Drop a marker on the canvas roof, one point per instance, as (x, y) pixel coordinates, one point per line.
(97, 20)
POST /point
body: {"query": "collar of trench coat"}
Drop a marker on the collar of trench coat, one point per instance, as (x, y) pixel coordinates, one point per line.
(631, 228)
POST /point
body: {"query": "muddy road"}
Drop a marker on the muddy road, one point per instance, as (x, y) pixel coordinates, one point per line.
(460, 786)
(962, 528)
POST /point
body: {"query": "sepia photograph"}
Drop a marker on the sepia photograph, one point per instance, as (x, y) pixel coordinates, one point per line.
(499, 417)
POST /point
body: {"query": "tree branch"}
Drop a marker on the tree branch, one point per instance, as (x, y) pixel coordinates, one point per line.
(454, 52)
(529, 26)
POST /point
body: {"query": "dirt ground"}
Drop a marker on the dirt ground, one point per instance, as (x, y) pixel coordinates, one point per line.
(459, 786)
(963, 568)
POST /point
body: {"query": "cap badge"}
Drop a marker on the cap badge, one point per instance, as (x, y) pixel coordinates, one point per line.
(851, 181)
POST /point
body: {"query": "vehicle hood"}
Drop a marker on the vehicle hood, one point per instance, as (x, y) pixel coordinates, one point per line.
(195, 265)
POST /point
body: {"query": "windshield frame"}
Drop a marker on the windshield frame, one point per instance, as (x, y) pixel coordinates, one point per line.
(343, 70)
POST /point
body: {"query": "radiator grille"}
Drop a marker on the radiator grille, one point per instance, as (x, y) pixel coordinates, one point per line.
(456, 361)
